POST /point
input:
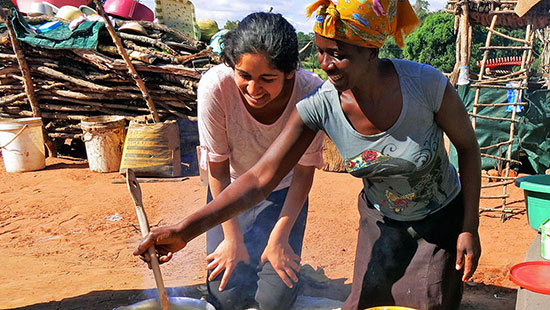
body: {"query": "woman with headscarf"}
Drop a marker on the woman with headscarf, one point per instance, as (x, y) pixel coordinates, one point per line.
(418, 231)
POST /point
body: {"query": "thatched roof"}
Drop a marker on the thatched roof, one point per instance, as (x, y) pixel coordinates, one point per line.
(481, 12)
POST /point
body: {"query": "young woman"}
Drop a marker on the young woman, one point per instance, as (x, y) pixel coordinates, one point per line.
(418, 231)
(243, 105)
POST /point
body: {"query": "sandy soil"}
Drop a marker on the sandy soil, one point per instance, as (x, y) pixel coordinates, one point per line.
(67, 236)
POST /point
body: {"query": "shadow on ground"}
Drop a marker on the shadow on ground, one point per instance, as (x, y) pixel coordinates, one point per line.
(488, 297)
(107, 300)
(75, 165)
(478, 297)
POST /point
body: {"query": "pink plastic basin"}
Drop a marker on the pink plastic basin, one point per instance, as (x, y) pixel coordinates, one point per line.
(128, 9)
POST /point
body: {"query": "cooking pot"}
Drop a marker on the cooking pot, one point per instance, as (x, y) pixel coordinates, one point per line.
(128, 9)
(176, 303)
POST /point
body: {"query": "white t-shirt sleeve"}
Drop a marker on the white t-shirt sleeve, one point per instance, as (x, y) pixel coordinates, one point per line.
(211, 120)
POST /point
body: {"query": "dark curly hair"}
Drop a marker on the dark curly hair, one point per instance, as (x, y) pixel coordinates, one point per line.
(262, 33)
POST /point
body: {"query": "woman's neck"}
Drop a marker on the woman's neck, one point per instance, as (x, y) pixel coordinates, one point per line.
(380, 79)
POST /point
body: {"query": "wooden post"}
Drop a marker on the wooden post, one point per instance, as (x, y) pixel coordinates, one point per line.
(27, 78)
(456, 69)
(464, 26)
(131, 69)
(23, 65)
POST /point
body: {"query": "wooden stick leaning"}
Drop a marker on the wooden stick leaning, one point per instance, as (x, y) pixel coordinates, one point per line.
(135, 191)
(23, 65)
(27, 79)
(128, 62)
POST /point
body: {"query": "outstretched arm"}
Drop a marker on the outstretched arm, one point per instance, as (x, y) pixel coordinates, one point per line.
(248, 190)
(453, 119)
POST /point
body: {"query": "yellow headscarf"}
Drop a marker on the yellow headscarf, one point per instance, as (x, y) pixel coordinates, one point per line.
(355, 22)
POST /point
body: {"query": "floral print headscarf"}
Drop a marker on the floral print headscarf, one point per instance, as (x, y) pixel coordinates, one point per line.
(356, 21)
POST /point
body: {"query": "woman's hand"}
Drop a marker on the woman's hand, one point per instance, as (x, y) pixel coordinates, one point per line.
(468, 252)
(284, 261)
(225, 258)
(166, 241)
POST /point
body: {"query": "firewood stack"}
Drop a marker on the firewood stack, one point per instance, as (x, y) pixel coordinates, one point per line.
(73, 84)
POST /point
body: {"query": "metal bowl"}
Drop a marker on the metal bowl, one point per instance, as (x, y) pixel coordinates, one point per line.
(176, 303)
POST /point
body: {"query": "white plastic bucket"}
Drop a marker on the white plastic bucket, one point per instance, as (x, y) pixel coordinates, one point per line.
(104, 140)
(22, 144)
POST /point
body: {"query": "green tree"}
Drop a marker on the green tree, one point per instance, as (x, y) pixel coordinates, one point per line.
(231, 25)
(420, 7)
(303, 40)
(308, 55)
(390, 49)
(433, 42)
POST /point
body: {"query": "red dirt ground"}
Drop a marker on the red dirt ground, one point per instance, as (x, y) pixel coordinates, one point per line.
(67, 236)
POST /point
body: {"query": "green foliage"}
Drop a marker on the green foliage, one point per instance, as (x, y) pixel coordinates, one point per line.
(433, 42)
(310, 51)
(390, 49)
(322, 74)
(231, 25)
(308, 56)
(420, 7)
(480, 36)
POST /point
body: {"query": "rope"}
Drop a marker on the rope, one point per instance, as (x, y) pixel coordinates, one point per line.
(17, 135)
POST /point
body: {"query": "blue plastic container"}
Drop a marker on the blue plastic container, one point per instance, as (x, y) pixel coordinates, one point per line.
(537, 198)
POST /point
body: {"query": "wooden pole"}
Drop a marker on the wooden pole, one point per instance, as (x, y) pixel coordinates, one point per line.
(464, 39)
(27, 78)
(23, 65)
(131, 69)
(135, 192)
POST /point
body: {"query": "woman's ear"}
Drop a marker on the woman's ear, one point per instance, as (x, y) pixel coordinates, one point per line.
(290, 75)
(374, 53)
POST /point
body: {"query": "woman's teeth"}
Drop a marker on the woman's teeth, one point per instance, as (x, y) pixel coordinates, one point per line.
(336, 77)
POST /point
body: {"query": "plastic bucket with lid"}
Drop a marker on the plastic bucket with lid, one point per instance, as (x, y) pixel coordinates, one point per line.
(537, 198)
(104, 140)
(22, 144)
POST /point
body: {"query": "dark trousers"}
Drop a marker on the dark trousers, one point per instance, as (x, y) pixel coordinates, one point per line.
(251, 284)
(408, 263)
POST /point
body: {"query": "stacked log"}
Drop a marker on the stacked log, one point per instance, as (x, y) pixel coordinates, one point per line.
(73, 84)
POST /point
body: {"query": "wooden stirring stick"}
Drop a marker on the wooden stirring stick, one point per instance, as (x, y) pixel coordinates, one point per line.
(135, 191)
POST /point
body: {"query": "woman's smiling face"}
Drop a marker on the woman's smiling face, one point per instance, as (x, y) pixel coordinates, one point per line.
(344, 63)
(258, 80)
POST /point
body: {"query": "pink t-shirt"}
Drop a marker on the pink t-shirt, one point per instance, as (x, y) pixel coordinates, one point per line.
(228, 131)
